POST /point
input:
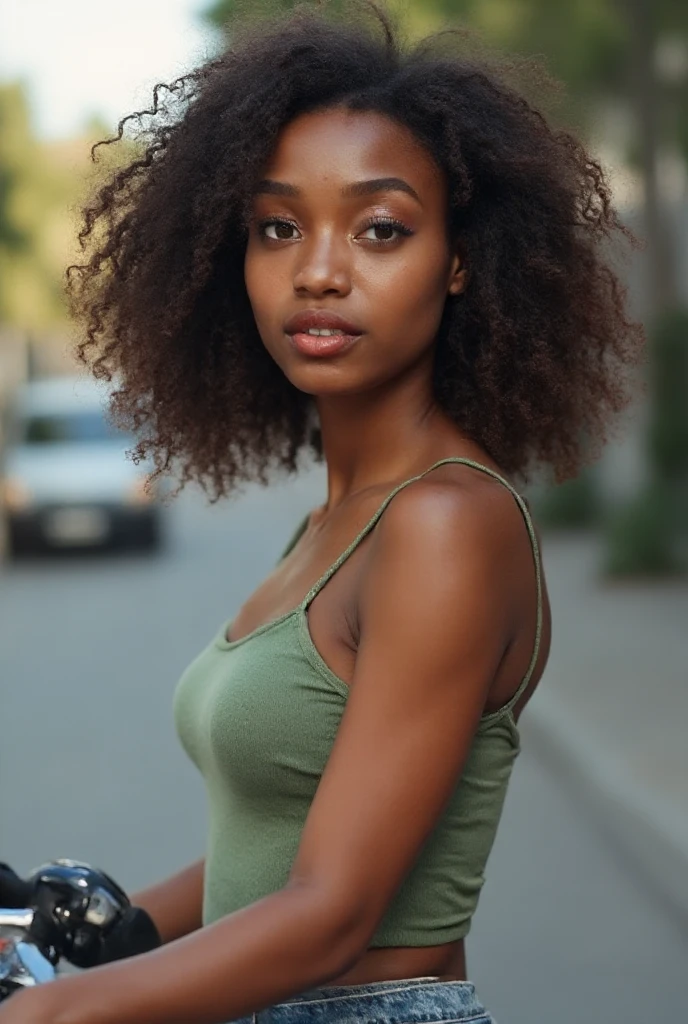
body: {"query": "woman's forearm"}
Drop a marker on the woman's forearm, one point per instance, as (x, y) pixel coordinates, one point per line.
(176, 904)
(284, 944)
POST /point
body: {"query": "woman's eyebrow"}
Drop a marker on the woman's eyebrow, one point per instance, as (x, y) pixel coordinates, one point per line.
(268, 186)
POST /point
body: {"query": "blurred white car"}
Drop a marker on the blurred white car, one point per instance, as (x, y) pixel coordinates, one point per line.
(66, 481)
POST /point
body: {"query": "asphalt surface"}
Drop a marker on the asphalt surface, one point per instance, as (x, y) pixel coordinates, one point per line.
(90, 651)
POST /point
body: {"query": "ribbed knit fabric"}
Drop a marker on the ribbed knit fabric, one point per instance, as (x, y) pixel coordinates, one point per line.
(259, 715)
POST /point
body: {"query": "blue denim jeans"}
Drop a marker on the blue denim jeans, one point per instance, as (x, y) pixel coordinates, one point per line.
(410, 1001)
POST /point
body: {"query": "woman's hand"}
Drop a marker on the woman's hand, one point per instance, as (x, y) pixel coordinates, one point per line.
(37, 1005)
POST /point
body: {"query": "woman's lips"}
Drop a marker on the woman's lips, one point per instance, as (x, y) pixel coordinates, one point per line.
(319, 345)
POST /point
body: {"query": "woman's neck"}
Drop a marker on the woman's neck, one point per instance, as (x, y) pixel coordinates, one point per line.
(375, 437)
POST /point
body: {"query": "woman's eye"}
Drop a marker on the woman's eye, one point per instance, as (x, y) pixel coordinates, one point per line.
(385, 231)
(381, 232)
(278, 230)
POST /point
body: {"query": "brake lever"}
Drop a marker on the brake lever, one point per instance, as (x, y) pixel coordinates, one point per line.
(23, 964)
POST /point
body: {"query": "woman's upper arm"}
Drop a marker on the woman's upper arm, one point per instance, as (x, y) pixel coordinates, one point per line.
(433, 628)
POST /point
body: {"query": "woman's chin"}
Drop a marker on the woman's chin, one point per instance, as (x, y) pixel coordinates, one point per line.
(319, 381)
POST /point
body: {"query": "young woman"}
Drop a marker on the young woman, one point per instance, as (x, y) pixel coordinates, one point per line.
(389, 256)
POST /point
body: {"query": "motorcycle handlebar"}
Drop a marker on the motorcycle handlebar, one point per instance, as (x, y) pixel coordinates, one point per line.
(14, 891)
(13, 917)
(136, 933)
(73, 912)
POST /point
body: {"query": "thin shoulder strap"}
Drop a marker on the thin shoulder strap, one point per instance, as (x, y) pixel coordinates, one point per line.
(317, 587)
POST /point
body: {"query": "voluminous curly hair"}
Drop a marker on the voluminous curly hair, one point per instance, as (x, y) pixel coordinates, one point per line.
(532, 360)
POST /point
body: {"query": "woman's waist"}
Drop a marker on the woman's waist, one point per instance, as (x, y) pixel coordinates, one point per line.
(446, 962)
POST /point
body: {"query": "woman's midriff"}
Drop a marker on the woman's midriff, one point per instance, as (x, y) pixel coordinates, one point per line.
(447, 962)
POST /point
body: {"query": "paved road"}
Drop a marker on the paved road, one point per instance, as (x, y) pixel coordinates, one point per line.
(90, 651)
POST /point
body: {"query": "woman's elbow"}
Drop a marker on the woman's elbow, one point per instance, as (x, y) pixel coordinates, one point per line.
(344, 929)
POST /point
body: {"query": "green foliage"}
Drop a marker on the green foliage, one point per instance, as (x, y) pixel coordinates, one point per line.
(15, 153)
(586, 44)
(12, 238)
(668, 431)
(573, 505)
(30, 293)
(221, 12)
(583, 42)
(41, 185)
(641, 537)
(646, 537)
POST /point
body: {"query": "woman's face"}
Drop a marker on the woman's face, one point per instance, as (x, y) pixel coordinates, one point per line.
(349, 221)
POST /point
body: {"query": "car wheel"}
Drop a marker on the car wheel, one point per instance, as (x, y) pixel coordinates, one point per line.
(16, 543)
(149, 533)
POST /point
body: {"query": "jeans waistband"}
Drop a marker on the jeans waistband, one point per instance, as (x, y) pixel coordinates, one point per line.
(411, 1000)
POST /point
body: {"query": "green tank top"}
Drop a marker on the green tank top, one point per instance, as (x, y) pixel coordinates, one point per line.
(258, 716)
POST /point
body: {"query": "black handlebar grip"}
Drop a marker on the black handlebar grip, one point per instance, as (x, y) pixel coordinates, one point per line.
(14, 891)
(134, 934)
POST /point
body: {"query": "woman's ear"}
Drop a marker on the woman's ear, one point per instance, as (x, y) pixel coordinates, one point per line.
(459, 275)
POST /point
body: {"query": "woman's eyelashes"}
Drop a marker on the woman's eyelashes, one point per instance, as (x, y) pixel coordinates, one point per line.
(386, 224)
(386, 230)
(276, 228)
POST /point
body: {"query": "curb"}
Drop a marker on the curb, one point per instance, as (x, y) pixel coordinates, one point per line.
(648, 834)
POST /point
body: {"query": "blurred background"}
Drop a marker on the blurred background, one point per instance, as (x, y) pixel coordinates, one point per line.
(106, 595)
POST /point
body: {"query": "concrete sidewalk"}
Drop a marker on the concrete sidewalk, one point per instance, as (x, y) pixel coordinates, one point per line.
(611, 713)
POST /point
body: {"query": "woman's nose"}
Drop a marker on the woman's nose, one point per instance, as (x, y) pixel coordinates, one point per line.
(322, 267)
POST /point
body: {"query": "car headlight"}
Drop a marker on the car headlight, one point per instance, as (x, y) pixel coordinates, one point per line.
(141, 492)
(16, 496)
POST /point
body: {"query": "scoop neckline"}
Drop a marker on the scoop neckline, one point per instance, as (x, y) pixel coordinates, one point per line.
(222, 640)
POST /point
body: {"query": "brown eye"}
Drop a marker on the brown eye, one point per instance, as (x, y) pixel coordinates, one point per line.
(385, 230)
(381, 233)
(279, 230)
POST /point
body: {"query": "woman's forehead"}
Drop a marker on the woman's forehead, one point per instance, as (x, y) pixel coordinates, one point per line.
(334, 147)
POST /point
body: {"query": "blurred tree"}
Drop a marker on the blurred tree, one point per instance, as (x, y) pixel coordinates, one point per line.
(14, 144)
(647, 536)
(613, 55)
(33, 197)
(41, 186)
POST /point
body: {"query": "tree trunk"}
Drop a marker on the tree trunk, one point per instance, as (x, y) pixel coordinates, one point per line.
(661, 271)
